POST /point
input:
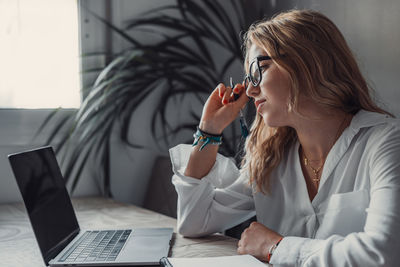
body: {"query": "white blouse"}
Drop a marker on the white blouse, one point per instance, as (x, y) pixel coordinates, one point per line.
(354, 220)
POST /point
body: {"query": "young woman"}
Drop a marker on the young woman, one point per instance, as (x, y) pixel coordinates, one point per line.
(321, 169)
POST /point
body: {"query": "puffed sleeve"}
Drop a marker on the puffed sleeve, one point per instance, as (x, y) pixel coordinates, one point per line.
(379, 243)
(218, 201)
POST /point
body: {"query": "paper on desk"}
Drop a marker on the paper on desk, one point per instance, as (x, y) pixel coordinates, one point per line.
(226, 261)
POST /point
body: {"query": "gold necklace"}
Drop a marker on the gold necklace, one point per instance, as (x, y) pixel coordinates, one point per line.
(316, 171)
(317, 177)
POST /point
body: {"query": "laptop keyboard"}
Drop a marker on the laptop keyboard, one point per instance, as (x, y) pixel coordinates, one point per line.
(97, 246)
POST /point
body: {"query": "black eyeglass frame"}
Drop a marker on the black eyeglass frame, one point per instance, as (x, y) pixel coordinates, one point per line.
(248, 77)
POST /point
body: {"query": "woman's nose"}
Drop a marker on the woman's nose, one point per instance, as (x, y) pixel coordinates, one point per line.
(252, 91)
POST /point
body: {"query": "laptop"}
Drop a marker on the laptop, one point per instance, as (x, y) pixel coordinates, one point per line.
(60, 239)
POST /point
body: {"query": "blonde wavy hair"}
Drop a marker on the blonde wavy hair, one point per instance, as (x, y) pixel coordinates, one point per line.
(321, 66)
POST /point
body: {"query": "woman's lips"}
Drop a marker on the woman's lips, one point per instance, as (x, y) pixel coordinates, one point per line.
(258, 102)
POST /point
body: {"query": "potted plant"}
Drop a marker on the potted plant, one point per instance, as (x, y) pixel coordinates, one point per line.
(180, 65)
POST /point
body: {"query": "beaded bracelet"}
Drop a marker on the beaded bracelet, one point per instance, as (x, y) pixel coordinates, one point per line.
(206, 138)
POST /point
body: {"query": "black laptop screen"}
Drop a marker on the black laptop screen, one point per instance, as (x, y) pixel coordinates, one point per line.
(46, 199)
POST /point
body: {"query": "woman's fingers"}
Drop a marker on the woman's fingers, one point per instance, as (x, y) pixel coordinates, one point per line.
(227, 95)
(237, 89)
(221, 109)
(221, 90)
(240, 95)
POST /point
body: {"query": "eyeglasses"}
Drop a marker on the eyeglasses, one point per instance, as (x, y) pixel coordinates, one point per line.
(254, 75)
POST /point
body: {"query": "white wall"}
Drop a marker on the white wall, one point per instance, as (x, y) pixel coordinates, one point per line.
(130, 167)
(372, 30)
(18, 129)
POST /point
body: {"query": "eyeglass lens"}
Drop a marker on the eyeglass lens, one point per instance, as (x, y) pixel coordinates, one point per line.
(254, 73)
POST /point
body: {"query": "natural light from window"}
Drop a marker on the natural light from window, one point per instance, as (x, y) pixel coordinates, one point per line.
(39, 55)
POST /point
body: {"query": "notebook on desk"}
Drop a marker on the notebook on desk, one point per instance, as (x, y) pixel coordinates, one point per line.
(60, 239)
(224, 261)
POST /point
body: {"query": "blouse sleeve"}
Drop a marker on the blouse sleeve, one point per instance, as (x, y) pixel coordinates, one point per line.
(379, 243)
(218, 201)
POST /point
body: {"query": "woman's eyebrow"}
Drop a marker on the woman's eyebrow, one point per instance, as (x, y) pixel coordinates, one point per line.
(261, 57)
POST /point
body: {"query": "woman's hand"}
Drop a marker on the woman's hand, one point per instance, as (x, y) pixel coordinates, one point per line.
(256, 240)
(221, 109)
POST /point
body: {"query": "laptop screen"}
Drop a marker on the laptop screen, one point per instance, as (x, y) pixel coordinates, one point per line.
(46, 199)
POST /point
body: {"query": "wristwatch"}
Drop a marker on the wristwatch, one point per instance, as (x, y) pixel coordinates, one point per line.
(272, 250)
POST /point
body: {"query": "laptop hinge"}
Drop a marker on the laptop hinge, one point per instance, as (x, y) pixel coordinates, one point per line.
(54, 251)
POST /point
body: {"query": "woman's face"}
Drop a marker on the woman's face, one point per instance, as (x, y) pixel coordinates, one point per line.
(271, 96)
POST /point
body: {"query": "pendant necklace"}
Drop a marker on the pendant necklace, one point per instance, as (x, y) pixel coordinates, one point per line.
(316, 171)
(317, 177)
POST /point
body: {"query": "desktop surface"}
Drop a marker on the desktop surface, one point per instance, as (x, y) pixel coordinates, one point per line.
(18, 247)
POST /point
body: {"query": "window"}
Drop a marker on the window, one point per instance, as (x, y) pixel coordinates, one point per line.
(39, 54)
